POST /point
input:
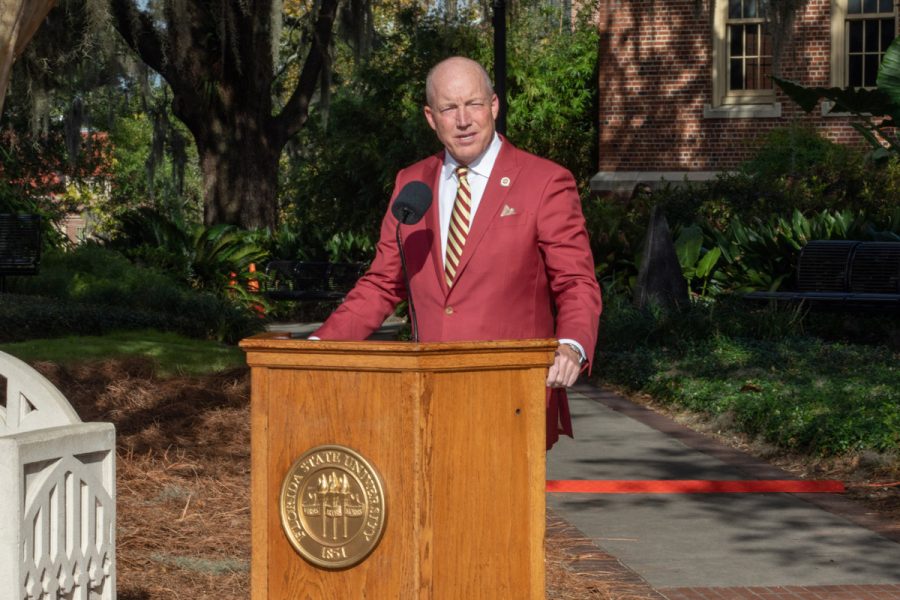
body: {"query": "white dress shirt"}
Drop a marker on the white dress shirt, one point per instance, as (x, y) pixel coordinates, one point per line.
(479, 173)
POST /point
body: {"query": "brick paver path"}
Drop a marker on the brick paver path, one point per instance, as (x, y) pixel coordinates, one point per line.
(592, 562)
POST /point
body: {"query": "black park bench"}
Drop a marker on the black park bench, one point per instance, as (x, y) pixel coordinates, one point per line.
(844, 274)
(20, 246)
(309, 281)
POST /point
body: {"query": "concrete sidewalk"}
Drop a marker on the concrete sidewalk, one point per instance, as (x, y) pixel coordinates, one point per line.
(685, 546)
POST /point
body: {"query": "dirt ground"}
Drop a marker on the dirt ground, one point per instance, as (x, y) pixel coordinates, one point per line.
(183, 479)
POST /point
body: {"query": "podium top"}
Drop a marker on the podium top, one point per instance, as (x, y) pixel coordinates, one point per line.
(279, 349)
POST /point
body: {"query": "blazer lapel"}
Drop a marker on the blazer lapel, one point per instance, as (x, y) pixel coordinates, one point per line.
(434, 224)
(503, 177)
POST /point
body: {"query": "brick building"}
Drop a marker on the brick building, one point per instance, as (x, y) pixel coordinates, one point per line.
(685, 88)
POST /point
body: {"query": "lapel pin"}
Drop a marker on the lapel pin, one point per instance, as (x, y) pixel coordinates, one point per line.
(505, 182)
(507, 211)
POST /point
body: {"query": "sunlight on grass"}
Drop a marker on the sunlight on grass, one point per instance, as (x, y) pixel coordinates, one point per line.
(802, 394)
(173, 354)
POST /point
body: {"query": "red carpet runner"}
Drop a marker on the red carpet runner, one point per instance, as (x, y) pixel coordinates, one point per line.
(693, 486)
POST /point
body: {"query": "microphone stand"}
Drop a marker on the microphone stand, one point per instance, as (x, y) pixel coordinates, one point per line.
(412, 308)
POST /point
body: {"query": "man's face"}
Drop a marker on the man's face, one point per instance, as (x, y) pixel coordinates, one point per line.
(461, 110)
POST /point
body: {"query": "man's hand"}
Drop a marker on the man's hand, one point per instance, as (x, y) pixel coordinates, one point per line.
(565, 368)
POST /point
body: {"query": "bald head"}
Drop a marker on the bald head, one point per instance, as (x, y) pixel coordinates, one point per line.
(461, 107)
(454, 67)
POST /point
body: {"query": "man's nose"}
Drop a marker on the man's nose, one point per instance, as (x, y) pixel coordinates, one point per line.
(463, 119)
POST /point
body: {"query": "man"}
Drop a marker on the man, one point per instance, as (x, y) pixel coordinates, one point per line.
(502, 253)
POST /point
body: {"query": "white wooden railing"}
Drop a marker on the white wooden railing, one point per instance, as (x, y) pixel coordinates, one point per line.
(57, 494)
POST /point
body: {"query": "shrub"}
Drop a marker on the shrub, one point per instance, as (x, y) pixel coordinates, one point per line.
(616, 230)
(733, 255)
(79, 287)
(197, 255)
(763, 369)
(624, 326)
(38, 317)
(793, 169)
(805, 171)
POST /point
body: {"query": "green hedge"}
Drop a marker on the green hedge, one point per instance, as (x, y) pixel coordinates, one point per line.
(92, 289)
(762, 371)
(33, 317)
(801, 394)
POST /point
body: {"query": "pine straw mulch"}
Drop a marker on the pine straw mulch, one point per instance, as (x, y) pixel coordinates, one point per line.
(183, 487)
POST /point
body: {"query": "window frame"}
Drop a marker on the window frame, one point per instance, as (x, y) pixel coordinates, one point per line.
(840, 51)
(722, 97)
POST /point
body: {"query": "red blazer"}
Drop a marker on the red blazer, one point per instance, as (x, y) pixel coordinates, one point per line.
(526, 270)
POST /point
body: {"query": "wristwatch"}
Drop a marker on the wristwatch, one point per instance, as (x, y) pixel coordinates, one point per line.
(581, 358)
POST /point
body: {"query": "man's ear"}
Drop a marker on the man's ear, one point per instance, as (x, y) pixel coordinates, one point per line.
(429, 116)
(495, 106)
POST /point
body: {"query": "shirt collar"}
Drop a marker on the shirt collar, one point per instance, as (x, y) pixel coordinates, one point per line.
(483, 165)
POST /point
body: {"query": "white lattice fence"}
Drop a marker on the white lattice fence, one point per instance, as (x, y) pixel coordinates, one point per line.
(57, 494)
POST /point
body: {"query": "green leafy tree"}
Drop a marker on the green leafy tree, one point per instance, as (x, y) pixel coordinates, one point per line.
(51, 156)
(553, 87)
(87, 128)
(37, 175)
(154, 165)
(220, 59)
(340, 172)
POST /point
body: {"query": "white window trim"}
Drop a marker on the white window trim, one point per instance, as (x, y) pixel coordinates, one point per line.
(743, 104)
(839, 54)
(769, 110)
(838, 43)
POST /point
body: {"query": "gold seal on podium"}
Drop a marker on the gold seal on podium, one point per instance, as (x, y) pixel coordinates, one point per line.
(333, 507)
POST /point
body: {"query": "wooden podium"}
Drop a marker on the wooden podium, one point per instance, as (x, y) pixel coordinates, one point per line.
(456, 432)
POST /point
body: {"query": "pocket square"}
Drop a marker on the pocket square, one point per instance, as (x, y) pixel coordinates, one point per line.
(507, 211)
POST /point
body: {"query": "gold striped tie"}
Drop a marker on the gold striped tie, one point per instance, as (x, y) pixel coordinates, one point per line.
(459, 225)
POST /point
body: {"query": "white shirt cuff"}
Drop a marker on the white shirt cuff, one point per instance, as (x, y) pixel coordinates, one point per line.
(578, 346)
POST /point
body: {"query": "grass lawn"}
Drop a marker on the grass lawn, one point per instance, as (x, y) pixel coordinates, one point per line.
(172, 354)
(799, 393)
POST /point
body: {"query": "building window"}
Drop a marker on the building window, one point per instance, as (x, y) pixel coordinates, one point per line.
(861, 30)
(871, 27)
(742, 54)
(749, 48)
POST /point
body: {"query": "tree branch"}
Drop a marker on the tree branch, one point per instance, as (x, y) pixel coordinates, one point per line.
(137, 29)
(295, 112)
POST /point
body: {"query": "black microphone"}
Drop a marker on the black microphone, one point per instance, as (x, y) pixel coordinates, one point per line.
(409, 207)
(412, 202)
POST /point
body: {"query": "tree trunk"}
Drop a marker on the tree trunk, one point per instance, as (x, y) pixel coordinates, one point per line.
(19, 20)
(219, 65)
(240, 175)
